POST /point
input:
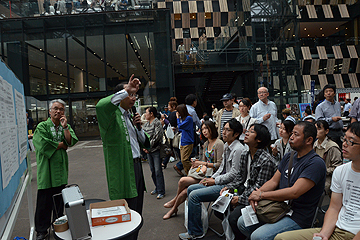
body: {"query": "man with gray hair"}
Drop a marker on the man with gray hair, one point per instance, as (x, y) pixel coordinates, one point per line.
(265, 112)
(51, 139)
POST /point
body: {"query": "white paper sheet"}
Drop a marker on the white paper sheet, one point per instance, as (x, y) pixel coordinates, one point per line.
(107, 212)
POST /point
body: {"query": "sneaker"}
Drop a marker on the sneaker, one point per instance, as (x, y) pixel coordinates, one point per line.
(160, 196)
(153, 192)
(184, 236)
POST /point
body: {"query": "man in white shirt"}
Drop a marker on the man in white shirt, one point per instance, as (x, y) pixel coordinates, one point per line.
(265, 112)
(342, 219)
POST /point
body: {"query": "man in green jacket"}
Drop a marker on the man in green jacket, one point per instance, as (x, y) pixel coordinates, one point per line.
(122, 135)
(51, 139)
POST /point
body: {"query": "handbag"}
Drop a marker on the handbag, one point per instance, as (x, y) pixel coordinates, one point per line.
(196, 173)
(176, 140)
(169, 132)
(269, 211)
(165, 149)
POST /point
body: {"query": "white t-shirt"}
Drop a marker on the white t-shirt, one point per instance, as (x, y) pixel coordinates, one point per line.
(346, 181)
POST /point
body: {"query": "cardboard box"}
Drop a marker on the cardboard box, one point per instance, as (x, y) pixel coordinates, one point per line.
(109, 212)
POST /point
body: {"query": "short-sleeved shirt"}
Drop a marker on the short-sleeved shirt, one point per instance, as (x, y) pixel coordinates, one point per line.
(346, 181)
(310, 166)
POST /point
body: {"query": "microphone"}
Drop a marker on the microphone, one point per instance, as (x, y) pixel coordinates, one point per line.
(133, 110)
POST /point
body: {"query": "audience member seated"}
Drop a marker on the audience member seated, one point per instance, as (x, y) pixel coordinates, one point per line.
(328, 150)
(307, 181)
(212, 152)
(282, 145)
(342, 219)
(256, 167)
(209, 188)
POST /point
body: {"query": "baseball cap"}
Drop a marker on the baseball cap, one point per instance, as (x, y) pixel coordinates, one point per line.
(226, 97)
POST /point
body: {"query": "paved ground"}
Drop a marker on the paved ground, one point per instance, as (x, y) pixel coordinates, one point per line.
(87, 169)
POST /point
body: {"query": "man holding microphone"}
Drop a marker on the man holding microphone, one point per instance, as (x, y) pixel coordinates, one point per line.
(122, 136)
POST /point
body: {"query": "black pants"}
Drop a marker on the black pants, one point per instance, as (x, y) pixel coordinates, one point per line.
(233, 218)
(45, 206)
(136, 203)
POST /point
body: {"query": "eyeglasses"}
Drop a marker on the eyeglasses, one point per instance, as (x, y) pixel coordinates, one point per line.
(227, 130)
(58, 109)
(348, 142)
(133, 95)
(262, 92)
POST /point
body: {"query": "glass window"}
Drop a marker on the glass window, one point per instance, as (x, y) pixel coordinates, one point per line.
(77, 61)
(57, 70)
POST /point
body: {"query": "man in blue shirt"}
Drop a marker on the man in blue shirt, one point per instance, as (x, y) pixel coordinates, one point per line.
(307, 182)
(347, 107)
(330, 111)
(191, 103)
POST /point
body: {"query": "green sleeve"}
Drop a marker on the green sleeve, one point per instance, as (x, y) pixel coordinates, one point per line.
(74, 138)
(105, 112)
(42, 141)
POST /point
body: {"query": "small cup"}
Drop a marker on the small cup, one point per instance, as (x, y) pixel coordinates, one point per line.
(317, 238)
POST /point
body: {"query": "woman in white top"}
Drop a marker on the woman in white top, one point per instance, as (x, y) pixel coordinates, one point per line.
(244, 118)
(282, 146)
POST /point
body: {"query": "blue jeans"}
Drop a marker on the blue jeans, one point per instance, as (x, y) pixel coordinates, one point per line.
(198, 193)
(156, 171)
(267, 231)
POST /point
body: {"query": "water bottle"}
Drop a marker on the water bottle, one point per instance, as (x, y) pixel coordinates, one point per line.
(236, 192)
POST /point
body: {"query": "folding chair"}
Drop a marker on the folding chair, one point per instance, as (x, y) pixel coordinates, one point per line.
(318, 211)
(212, 229)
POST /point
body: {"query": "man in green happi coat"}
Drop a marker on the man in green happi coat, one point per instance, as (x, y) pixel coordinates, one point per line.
(51, 139)
(122, 138)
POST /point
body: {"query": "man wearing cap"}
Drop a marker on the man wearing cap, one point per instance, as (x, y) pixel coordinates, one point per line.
(330, 111)
(227, 113)
(265, 112)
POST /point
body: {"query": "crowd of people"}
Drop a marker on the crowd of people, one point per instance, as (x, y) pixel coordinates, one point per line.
(243, 146)
(61, 7)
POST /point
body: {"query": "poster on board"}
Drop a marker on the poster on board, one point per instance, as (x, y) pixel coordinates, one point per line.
(302, 107)
(13, 136)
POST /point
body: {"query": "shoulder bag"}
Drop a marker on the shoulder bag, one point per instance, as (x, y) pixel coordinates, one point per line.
(269, 211)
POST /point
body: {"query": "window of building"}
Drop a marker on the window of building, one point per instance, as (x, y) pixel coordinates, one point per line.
(192, 16)
(207, 15)
(177, 16)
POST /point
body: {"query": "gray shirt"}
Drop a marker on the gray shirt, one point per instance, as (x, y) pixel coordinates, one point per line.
(134, 133)
(326, 110)
(230, 165)
(355, 110)
(259, 109)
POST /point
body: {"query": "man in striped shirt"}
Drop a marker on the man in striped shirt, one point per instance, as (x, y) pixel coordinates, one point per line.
(227, 113)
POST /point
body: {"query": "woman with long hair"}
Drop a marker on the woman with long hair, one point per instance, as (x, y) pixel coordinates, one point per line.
(186, 127)
(212, 154)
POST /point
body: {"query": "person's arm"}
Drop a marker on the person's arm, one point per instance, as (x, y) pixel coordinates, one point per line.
(354, 111)
(235, 165)
(319, 115)
(43, 142)
(301, 186)
(196, 119)
(357, 236)
(334, 158)
(331, 216)
(131, 88)
(265, 173)
(253, 114)
(219, 149)
(270, 185)
(184, 124)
